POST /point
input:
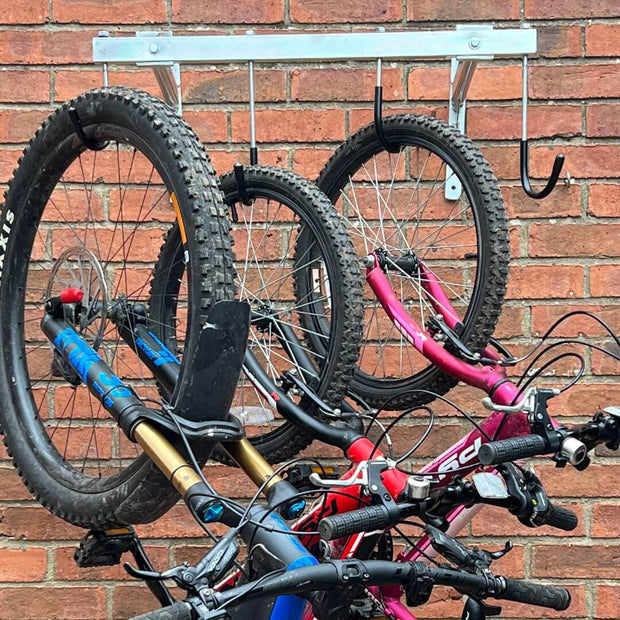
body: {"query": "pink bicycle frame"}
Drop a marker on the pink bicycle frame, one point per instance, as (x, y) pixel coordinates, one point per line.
(499, 425)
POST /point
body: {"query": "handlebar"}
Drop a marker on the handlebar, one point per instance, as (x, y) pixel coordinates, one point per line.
(525, 499)
(367, 519)
(574, 444)
(508, 450)
(561, 518)
(535, 594)
(351, 573)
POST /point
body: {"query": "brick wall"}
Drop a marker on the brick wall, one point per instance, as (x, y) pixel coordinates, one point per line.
(565, 249)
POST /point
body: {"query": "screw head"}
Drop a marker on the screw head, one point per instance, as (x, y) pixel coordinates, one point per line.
(154, 48)
(474, 43)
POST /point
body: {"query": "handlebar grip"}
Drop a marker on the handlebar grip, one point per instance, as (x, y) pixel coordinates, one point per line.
(536, 594)
(507, 450)
(176, 611)
(561, 518)
(349, 523)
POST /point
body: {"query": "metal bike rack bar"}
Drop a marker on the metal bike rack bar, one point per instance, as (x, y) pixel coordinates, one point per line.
(468, 41)
(464, 47)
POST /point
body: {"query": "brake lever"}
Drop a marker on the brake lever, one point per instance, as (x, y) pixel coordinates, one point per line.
(359, 477)
(172, 573)
(472, 560)
(526, 404)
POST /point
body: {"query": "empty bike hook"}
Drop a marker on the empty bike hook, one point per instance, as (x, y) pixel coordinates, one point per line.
(524, 154)
(89, 143)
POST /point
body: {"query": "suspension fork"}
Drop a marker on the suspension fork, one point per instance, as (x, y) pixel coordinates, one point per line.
(133, 417)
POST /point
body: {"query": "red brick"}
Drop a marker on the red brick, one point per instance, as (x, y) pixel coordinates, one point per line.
(585, 399)
(510, 322)
(24, 86)
(504, 161)
(233, 482)
(544, 9)
(524, 282)
(174, 524)
(28, 564)
(576, 561)
(605, 280)
(66, 568)
(69, 83)
(605, 519)
(233, 86)
(225, 160)
(344, 11)
(543, 316)
(35, 523)
(607, 602)
(559, 41)
(210, 125)
(12, 487)
(19, 125)
(603, 40)
(110, 11)
(223, 12)
(603, 364)
(29, 47)
(595, 481)
(502, 122)
(574, 240)
(359, 118)
(574, 81)
(53, 603)
(437, 10)
(588, 160)
(603, 120)
(309, 162)
(565, 202)
(290, 125)
(604, 200)
(31, 12)
(514, 237)
(496, 83)
(344, 84)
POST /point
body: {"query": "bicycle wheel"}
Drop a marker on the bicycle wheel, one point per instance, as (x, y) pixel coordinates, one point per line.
(297, 268)
(94, 220)
(395, 202)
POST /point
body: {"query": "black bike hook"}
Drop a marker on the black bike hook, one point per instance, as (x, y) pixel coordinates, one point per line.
(241, 188)
(378, 114)
(524, 153)
(89, 143)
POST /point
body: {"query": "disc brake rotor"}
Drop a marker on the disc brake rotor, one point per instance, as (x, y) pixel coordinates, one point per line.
(79, 268)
